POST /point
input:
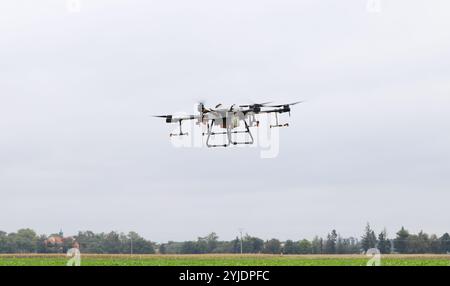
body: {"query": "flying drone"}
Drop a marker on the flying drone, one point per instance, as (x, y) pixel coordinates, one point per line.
(230, 119)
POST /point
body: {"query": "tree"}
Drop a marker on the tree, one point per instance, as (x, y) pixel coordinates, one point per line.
(272, 246)
(422, 243)
(252, 244)
(291, 247)
(346, 245)
(445, 243)
(91, 242)
(112, 243)
(173, 247)
(352, 245)
(24, 241)
(139, 245)
(317, 245)
(330, 244)
(401, 241)
(236, 245)
(189, 247)
(369, 239)
(384, 245)
(305, 247)
(223, 247)
(435, 244)
(211, 242)
(3, 242)
(162, 248)
(201, 245)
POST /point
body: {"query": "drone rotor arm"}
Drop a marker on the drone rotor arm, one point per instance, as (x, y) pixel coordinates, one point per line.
(173, 119)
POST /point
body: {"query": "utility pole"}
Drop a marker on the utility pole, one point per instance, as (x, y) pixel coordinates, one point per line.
(131, 244)
(240, 231)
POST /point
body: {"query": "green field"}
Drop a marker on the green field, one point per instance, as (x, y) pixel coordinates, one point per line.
(222, 260)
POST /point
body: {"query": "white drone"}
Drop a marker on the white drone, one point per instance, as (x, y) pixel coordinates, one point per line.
(230, 119)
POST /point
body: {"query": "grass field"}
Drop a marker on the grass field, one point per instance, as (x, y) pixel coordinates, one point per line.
(222, 260)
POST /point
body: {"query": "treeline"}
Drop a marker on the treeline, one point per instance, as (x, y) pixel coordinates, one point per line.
(404, 243)
(27, 241)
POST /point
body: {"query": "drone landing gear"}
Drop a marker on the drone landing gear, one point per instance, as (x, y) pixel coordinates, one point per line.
(247, 130)
(229, 139)
(277, 124)
(179, 134)
(210, 132)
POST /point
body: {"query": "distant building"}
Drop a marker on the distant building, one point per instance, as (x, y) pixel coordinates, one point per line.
(59, 243)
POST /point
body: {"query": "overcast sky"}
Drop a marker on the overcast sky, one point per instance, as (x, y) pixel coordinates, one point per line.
(79, 151)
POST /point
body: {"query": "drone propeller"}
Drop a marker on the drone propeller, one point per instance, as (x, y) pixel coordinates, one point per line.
(255, 104)
(281, 105)
(169, 118)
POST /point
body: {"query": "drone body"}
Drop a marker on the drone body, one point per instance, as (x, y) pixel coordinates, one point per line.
(230, 119)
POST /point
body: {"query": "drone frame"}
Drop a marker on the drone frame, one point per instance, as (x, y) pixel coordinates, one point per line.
(225, 115)
(229, 133)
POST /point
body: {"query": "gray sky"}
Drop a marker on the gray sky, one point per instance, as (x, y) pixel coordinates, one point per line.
(79, 150)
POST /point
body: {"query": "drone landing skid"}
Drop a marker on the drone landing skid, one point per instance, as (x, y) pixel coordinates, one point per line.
(277, 124)
(229, 139)
(210, 132)
(179, 134)
(247, 130)
(280, 125)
